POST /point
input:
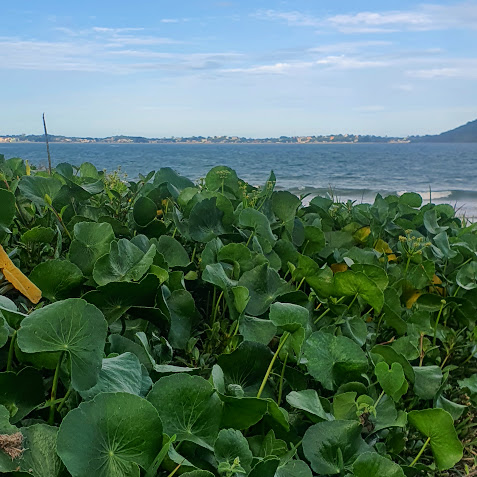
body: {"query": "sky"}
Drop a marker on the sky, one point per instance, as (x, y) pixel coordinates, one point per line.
(240, 67)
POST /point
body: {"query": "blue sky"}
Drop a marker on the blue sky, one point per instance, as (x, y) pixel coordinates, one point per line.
(239, 67)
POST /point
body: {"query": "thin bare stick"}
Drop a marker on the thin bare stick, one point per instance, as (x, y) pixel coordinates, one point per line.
(47, 145)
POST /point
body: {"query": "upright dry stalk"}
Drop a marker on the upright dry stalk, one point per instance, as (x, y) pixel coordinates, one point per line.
(47, 145)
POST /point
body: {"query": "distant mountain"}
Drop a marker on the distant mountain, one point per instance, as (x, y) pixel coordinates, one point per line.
(465, 133)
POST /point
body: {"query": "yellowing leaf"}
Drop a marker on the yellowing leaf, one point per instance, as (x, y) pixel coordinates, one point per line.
(17, 279)
(362, 234)
(339, 267)
(436, 280)
(392, 257)
(382, 246)
(413, 299)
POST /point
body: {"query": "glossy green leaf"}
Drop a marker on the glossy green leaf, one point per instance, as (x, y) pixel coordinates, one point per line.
(438, 425)
(111, 436)
(188, 407)
(372, 464)
(57, 279)
(73, 326)
(334, 360)
(333, 446)
(229, 446)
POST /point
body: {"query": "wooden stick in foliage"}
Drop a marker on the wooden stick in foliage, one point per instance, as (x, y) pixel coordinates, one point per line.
(47, 145)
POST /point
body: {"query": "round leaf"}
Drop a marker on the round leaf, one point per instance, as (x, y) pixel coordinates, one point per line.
(110, 436)
(372, 464)
(73, 326)
(439, 426)
(334, 360)
(188, 407)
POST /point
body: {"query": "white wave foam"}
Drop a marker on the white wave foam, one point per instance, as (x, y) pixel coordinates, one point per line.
(442, 194)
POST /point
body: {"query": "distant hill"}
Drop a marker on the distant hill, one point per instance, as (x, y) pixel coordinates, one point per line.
(465, 133)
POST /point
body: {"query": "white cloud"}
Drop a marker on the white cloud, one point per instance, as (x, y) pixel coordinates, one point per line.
(292, 18)
(423, 17)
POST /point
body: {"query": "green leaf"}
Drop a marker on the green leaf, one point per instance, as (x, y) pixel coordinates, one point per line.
(230, 445)
(333, 446)
(334, 360)
(205, 221)
(110, 436)
(38, 235)
(116, 298)
(188, 407)
(264, 285)
(438, 425)
(124, 263)
(351, 283)
(73, 326)
(222, 175)
(174, 253)
(309, 401)
(256, 329)
(166, 174)
(57, 279)
(183, 316)
(467, 276)
(40, 458)
(289, 317)
(21, 393)
(284, 206)
(391, 379)
(144, 211)
(7, 210)
(36, 188)
(411, 199)
(257, 221)
(121, 373)
(371, 464)
(91, 241)
(294, 468)
(428, 381)
(246, 366)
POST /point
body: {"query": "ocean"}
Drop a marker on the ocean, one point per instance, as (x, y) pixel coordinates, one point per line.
(446, 173)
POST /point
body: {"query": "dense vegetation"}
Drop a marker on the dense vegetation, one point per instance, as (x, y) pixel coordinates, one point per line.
(218, 329)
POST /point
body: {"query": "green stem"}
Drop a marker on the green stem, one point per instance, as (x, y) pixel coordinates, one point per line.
(152, 471)
(54, 388)
(443, 304)
(216, 309)
(413, 463)
(352, 301)
(407, 265)
(63, 401)
(300, 284)
(322, 315)
(11, 349)
(379, 399)
(282, 375)
(285, 336)
(193, 253)
(249, 238)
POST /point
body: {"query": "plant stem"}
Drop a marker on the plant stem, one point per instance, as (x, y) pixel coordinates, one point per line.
(443, 304)
(285, 336)
(300, 284)
(54, 388)
(379, 399)
(407, 265)
(63, 401)
(421, 349)
(47, 145)
(352, 301)
(249, 238)
(216, 309)
(322, 315)
(280, 387)
(11, 350)
(152, 471)
(413, 463)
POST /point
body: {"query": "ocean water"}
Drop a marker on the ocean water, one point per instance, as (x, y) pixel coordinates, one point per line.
(445, 172)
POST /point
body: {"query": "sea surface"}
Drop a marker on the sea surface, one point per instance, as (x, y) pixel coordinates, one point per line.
(446, 173)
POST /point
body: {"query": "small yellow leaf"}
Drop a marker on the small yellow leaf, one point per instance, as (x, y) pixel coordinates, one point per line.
(339, 267)
(159, 212)
(362, 234)
(382, 246)
(413, 299)
(436, 280)
(392, 257)
(17, 279)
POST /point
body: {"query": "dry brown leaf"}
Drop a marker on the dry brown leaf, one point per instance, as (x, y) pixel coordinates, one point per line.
(11, 444)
